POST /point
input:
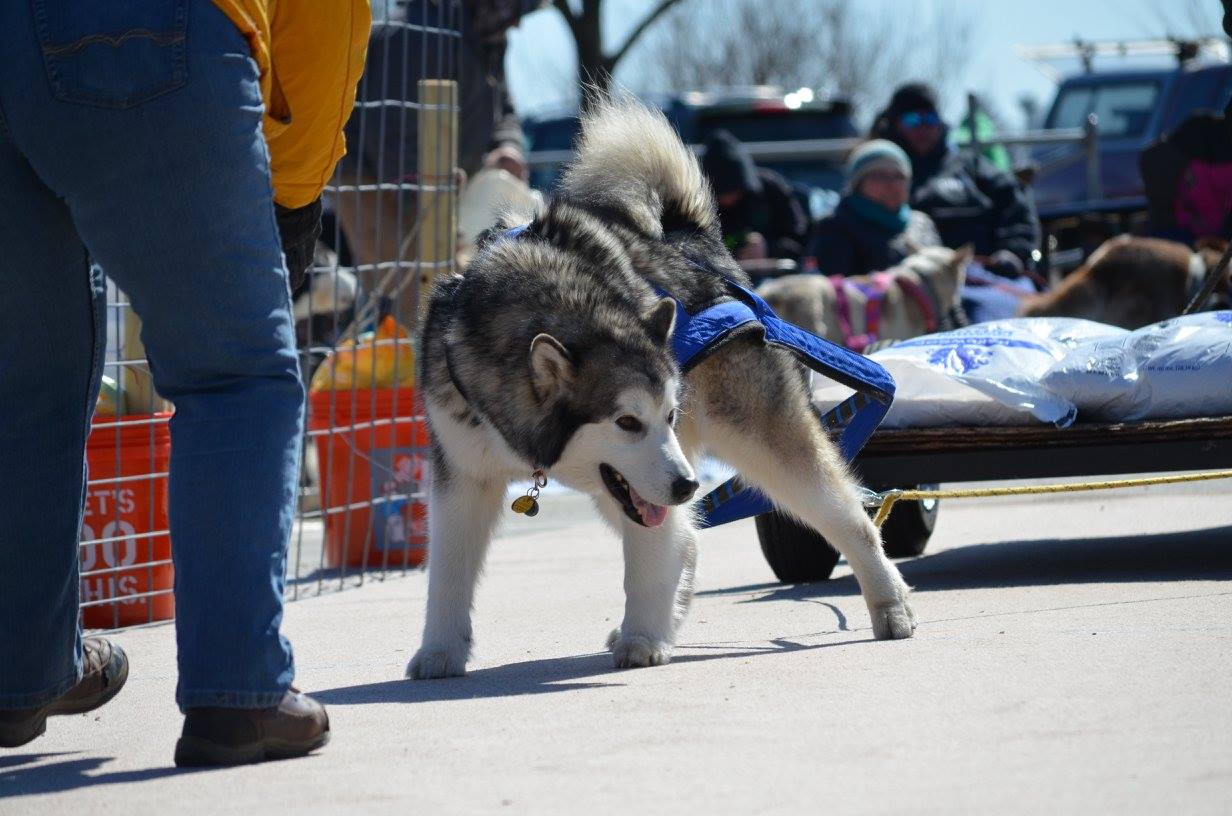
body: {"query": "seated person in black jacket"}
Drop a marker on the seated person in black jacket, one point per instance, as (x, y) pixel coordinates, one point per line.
(758, 213)
(873, 228)
(970, 200)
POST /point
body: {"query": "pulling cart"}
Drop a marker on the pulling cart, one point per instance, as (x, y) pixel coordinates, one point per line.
(905, 466)
(921, 458)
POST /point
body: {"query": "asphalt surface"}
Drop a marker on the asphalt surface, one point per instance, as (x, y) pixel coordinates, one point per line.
(1073, 656)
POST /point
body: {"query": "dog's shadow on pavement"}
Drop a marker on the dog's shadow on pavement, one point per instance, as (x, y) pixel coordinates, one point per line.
(546, 676)
(1183, 556)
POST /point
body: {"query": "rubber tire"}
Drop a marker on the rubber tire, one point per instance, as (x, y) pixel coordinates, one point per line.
(906, 532)
(796, 553)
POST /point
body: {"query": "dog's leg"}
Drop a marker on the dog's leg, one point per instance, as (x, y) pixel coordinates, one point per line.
(758, 419)
(462, 512)
(659, 569)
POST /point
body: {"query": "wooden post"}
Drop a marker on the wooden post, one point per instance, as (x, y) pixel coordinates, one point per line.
(438, 188)
(136, 382)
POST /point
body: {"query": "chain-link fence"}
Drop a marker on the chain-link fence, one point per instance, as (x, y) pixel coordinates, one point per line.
(390, 226)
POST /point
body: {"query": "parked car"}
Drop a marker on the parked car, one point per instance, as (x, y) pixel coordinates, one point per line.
(752, 115)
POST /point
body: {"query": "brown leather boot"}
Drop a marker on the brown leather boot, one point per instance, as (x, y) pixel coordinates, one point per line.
(104, 672)
(239, 736)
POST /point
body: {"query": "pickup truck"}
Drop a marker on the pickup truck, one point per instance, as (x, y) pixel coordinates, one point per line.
(1133, 108)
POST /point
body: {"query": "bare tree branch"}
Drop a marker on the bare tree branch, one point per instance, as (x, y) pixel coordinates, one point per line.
(639, 30)
(563, 7)
(847, 49)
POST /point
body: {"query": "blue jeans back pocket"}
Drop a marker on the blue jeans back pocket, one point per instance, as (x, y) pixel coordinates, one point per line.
(112, 53)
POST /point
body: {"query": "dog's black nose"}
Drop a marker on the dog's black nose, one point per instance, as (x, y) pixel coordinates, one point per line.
(683, 489)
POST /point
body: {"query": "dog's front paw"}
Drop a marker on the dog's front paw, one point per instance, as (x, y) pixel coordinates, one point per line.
(893, 621)
(638, 651)
(435, 662)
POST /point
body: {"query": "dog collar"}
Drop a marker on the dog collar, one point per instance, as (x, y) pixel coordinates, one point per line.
(528, 504)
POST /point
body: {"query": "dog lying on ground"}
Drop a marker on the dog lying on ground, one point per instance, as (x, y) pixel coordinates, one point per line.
(915, 298)
(1132, 282)
(552, 355)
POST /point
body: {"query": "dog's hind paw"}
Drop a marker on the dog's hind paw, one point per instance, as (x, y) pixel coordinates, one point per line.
(435, 663)
(637, 651)
(893, 621)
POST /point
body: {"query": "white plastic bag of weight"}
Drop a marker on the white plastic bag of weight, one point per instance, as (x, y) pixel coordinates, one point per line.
(1171, 370)
(987, 374)
(925, 398)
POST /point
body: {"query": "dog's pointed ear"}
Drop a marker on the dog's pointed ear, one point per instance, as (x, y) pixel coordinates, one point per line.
(662, 320)
(551, 366)
(962, 259)
(963, 256)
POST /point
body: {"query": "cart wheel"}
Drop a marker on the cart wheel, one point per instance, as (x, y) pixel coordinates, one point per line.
(796, 553)
(906, 532)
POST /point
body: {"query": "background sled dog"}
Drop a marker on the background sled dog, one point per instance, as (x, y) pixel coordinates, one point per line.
(553, 353)
(1133, 282)
(810, 302)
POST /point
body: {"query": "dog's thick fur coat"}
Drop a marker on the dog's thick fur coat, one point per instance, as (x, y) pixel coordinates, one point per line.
(553, 352)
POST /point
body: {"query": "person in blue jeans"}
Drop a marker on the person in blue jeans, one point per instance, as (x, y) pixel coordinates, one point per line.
(131, 137)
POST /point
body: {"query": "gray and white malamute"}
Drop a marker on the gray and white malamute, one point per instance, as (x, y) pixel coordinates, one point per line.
(553, 354)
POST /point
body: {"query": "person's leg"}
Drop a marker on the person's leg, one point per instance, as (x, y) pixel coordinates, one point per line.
(165, 170)
(50, 359)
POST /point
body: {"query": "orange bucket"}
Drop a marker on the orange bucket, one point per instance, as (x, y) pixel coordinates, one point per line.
(374, 472)
(126, 573)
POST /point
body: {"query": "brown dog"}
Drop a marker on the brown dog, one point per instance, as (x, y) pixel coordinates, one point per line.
(1131, 282)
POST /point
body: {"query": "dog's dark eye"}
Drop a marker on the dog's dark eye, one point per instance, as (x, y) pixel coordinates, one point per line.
(629, 423)
(672, 417)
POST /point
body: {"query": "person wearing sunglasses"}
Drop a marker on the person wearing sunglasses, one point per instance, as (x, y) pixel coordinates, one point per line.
(873, 228)
(970, 200)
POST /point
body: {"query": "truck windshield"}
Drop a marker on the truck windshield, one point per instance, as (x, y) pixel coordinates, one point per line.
(1124, 109)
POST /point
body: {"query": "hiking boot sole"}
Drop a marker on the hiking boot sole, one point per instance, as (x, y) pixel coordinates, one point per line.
(194, 752)
(18, 734)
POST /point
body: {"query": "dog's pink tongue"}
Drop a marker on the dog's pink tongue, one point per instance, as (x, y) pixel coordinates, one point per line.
(652, 514)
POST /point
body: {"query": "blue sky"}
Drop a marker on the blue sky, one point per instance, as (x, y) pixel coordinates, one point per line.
(540, 61)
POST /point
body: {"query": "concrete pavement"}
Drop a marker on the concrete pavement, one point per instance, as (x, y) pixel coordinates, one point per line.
(1073, 656)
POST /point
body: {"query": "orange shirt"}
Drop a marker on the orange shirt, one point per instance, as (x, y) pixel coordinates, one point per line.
(311, 55)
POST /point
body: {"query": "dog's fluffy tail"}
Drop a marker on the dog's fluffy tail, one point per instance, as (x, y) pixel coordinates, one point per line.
(630, 156)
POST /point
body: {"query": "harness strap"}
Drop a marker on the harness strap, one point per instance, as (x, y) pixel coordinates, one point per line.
(854, 420)
(875, 294)
(875, 297)
(698, 335)
(913, 290)
(843, 307)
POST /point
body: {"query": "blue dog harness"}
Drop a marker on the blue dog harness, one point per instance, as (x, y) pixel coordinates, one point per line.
(853, 420)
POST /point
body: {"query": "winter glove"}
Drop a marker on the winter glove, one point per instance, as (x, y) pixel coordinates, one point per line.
(1005, 263)
(300, 228)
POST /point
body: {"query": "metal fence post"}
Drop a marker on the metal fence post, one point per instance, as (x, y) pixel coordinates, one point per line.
(1090, 142)
(972, 126)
